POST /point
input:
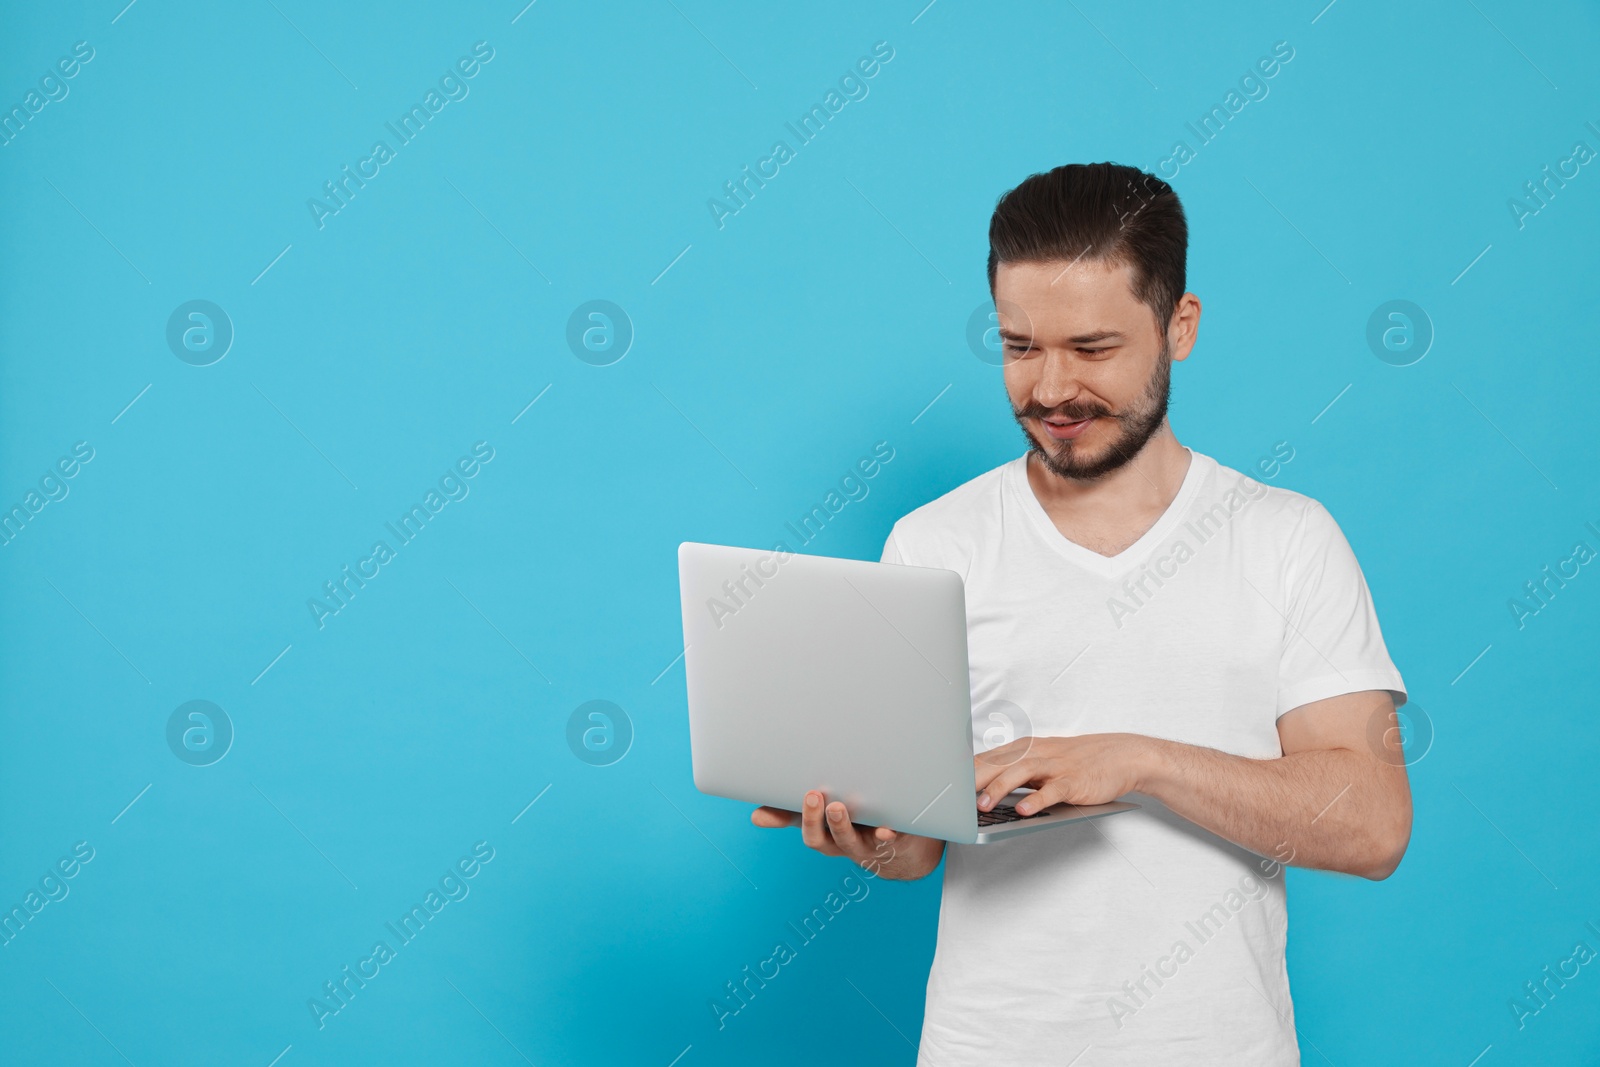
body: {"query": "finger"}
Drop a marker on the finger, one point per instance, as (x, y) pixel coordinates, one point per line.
(985, 771)
(1006, 781)
(851, 841)
(812, 830)
(986, 765)
(774, 818)
(1052, 792)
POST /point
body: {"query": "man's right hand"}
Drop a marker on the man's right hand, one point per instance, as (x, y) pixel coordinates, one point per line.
(879, 849)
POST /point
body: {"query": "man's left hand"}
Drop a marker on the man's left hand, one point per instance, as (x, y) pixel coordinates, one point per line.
(1092, 769)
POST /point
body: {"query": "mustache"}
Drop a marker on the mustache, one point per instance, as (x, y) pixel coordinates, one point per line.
(1070, 412)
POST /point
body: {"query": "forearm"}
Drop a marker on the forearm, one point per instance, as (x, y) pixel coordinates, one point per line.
(1334, 809)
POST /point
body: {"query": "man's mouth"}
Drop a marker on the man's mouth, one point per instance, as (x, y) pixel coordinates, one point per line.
(1065, 429)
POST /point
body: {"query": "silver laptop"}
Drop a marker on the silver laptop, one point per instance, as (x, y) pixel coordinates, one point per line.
(806, 672)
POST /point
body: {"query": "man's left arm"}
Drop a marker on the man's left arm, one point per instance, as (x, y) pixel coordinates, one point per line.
(1337, 799)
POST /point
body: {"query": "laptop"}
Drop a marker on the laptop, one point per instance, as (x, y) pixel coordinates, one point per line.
(808, 672)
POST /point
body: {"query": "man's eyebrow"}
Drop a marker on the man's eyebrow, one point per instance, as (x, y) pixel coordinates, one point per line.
(1081, 339)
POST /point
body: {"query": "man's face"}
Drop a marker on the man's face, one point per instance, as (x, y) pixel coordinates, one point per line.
(1086, 369)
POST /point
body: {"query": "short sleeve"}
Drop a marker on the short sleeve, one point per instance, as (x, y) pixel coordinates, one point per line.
(891, 551)
(1332, 643)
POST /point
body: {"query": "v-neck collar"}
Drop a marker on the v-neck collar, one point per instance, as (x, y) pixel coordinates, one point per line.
(1016, 476)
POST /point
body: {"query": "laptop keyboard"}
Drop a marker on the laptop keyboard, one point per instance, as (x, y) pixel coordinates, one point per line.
(1003, 813)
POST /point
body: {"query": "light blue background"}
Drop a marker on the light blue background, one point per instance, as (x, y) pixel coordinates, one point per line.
(824, 317)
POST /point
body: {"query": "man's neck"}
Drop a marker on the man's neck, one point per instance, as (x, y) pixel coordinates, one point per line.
(1142, 487)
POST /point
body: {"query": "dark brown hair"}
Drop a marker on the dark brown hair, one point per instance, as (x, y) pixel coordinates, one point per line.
(1099, 211)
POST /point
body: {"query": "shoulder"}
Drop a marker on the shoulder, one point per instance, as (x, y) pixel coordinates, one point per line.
(945, 529)
(1279, 524)
(1272, 508)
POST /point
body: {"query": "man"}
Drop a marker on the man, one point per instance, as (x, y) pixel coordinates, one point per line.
(1171, 631)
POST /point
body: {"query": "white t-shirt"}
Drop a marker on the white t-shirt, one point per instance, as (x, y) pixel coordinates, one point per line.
(1141, 936)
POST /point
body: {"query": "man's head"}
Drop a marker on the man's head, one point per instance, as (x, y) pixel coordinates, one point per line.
(1086, 267)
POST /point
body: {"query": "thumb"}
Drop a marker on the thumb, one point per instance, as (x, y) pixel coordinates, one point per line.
(774, 818)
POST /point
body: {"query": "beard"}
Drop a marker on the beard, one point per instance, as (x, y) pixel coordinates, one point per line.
(1133, 430)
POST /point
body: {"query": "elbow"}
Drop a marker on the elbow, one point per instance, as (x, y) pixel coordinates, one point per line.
(1384, 865)
(1389, 844)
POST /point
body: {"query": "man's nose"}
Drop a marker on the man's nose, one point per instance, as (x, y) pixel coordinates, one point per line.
(1058, 382)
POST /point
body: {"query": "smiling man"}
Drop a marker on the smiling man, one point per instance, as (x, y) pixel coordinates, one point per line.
(1147, 624)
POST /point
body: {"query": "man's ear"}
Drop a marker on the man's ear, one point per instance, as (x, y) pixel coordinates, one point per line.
(1185, 326)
